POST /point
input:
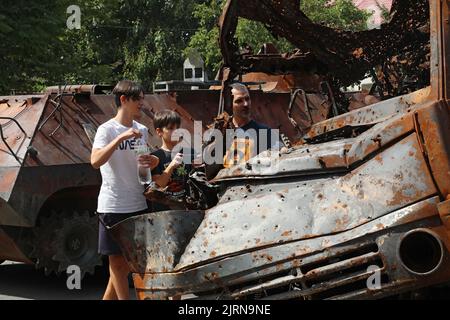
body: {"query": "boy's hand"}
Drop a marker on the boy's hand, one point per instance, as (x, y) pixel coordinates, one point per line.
(130, 133)
(177, 161)
(148, 161)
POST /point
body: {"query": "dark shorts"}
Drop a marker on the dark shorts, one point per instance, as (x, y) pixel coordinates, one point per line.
(106, 243)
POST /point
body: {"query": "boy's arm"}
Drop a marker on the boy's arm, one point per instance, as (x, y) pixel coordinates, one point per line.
(162, 180)
(100, 156)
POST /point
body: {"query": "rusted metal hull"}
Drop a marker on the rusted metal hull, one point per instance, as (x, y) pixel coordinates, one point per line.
(168, 231)
(338, 205)
(58, 174)
(62, 159)
(329, 266)
(364, 194)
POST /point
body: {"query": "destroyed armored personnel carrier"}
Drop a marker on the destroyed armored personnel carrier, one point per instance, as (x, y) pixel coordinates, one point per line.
(358, 207)
(49, 190)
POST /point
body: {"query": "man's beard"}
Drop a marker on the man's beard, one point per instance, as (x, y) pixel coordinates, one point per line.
(244, 114)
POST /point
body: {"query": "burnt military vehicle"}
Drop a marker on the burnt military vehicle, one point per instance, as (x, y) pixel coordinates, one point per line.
(48, 189)
(359, 207)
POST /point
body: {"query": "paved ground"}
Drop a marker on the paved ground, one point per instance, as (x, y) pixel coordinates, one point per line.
(20, 281)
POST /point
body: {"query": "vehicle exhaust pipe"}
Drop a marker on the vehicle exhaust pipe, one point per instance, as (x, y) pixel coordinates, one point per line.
(421, 251)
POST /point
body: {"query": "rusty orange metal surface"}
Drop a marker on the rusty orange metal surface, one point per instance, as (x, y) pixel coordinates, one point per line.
(26, 111)
(349, 195)
(10, 250)
(434, 133)
(444, 212)
(355, 177)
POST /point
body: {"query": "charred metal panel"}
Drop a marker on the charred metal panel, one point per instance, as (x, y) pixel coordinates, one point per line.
(17, 113)
(245, 268)
(446, 47)
(168, 232)
(35, 185)
(444, 212)
(434, 133)
(60, 138)
(341, 154)
(8, 177)
(9, 249)
(9, 216)
(372, 114)
(256, 214)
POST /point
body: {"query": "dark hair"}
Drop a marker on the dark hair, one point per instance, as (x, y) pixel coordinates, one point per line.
(165, 118)
(127, 88)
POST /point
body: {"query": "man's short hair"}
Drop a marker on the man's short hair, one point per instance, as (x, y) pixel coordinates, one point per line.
(166, 118)
(127, 88)
(239, 86)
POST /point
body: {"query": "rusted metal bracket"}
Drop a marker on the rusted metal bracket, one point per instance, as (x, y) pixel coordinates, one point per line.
(326, 90)
(444, 212)
(57, 102)
(291, 105)
(423, 150)
(226, 77)
(4, 139)
(419, 135)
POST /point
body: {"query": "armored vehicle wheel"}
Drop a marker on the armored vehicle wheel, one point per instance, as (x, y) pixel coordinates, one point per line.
(67, 238)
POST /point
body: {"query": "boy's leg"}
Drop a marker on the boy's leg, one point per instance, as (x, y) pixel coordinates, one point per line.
(118, 276)
(110, 292)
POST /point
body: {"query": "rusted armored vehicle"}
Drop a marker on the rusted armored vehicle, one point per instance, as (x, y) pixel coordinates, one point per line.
(48, 189)
(359, 207)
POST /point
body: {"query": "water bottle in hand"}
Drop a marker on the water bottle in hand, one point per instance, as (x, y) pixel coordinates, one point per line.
(144, 173)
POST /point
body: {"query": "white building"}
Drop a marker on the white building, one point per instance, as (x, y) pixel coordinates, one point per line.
(194, 68)
(373, 6)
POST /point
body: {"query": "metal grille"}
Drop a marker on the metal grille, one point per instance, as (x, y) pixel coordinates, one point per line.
(329, 275)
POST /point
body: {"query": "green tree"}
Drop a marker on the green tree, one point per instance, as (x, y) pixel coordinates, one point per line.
(141, 40)
(31, 41)
(205, 39)
(339, 14)
(93, 54)
(153, 48)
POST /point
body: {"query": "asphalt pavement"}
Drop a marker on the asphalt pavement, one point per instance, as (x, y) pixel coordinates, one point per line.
(22, 282)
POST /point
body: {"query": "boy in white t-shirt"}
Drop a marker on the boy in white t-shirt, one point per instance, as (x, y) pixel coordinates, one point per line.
(121, 194)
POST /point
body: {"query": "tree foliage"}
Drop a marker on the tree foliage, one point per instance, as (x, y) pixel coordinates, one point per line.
(30, 43)
(338, 14)
(143, 40)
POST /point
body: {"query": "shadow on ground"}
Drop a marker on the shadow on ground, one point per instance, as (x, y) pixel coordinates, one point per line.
(21, 281)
